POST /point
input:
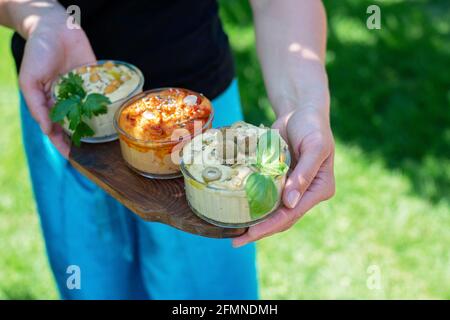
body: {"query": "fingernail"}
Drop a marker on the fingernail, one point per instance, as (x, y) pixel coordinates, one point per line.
(237, 244)
(292, 198)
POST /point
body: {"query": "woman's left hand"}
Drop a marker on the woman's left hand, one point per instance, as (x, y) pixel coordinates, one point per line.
(312, 180)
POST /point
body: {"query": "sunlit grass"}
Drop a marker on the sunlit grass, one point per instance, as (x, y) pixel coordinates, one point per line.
(24, 271)
(372, 221)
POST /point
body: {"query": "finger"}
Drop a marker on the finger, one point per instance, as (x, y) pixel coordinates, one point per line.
(281, 124)
(59, 140)
(265, 228)
(36, 100)
(322, 188)
(302, 176)
(282, 220)
(325, 180)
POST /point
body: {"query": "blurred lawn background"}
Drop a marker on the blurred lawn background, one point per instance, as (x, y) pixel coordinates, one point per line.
(391, 118)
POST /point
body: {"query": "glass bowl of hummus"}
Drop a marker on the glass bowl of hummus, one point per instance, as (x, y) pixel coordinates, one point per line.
(114, 79)
(154, 125)
(234, 176)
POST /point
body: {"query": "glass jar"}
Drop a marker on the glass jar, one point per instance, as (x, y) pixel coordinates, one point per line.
(150, 133)
(100, 77)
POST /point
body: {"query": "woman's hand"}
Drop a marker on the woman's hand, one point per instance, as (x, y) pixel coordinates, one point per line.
(291, 44)
(51, 49)
(312, 180)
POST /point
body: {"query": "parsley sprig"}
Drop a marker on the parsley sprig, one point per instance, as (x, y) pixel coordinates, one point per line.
(74, 104)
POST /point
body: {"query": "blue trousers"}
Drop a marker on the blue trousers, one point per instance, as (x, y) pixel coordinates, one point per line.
(116, 254)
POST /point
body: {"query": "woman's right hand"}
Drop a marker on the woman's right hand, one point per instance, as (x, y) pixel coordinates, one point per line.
(51, 50)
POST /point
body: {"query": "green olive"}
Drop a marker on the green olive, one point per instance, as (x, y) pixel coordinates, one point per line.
(210, 174)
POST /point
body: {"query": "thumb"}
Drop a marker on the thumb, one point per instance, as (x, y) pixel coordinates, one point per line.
(35, 97)
(281, 125)
(302, 176)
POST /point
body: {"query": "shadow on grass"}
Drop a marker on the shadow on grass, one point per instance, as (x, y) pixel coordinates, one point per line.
(390, 87)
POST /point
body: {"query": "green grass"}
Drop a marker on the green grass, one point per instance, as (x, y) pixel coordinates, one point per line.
(391, 119)
(24, 271)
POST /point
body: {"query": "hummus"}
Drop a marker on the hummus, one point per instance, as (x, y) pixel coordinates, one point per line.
(155, 124)
(117, 81)
(216, 167)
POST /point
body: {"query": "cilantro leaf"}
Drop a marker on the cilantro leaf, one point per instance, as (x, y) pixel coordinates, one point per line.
(62, 107)
(71, 85)
(73, 104)
(262, 194)
(74, 117)
(95, 105)
(82, 130)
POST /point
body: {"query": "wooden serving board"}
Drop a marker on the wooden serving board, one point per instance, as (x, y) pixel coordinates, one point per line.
(153, 200)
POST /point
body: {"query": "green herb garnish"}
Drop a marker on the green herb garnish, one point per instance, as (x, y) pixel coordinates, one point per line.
(74, 104)
(261, 189)
(268, 154)
(262, 194)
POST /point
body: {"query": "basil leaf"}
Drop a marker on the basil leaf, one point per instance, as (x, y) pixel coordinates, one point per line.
(269, 148)
(274, 169)
(61, 108)
(262, 194)
(268, 154)
(95, 104)
(82, 130)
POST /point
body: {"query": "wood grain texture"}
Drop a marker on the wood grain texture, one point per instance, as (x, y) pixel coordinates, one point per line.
(161, 201)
